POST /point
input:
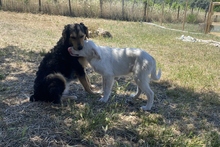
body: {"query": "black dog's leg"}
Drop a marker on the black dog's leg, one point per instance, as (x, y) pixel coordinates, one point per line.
(32, 98)
(40, 93)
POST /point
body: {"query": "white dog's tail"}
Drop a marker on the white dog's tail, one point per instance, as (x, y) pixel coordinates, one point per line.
(155, 76)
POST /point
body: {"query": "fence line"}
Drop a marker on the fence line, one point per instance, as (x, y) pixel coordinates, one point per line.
(111, 9)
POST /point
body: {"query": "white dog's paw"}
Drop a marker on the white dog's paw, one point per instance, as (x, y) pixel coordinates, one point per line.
(66, 92)
(145, 108)
(103, 100)
(132, 95)
(72, 97)
(100, 91)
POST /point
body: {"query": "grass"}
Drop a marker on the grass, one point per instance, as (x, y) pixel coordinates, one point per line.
(187, 98)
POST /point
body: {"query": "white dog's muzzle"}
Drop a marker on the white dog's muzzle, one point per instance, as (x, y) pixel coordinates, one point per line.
(71, 52)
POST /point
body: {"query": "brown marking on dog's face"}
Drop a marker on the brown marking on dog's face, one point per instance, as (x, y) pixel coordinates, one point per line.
(76, 34)
(77, 38)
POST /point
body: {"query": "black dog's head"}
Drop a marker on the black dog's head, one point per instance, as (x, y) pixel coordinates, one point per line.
(75, 34)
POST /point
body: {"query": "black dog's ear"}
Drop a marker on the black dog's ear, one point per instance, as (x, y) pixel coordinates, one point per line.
(66, 32)
(85, 29)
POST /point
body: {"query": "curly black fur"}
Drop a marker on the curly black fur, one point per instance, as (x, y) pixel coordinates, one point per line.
(56, 68)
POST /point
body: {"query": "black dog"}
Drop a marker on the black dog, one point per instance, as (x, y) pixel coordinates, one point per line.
(58, 68)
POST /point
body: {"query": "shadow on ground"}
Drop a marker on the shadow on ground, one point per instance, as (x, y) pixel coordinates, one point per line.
(85, 121)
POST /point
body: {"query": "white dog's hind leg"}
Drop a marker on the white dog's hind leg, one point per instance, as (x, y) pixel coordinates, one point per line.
(143, 83)
(150, 95)
(107, 88)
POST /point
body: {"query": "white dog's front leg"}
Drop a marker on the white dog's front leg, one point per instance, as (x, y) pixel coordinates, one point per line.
(107, 87)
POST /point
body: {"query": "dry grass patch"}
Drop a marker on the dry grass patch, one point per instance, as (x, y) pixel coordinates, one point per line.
(186, 110)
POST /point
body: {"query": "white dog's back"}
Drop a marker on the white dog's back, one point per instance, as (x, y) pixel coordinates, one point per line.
(122, 61)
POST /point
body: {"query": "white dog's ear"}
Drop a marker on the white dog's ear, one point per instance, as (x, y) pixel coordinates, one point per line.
(96, 54)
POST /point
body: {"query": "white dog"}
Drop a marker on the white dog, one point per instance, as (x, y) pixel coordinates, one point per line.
(114, 62)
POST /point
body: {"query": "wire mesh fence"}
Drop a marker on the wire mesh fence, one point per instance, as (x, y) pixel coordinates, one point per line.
(129, 10)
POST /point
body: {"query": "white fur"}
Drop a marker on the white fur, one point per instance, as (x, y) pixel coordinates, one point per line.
(113, 62)
(65, 93)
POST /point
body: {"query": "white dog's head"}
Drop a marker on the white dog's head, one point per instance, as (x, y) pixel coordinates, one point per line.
(90, 50)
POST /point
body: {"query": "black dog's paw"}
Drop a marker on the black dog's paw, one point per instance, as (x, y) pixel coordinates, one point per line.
(57, 101)
(32, 98)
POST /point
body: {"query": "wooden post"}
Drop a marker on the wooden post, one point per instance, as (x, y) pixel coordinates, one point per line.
(39, 6)
(147, 16)
(161, 20)
(208, 20)
(178, 13)
(70, 9)
(145, 8)
(184, 19)
(101, 10)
